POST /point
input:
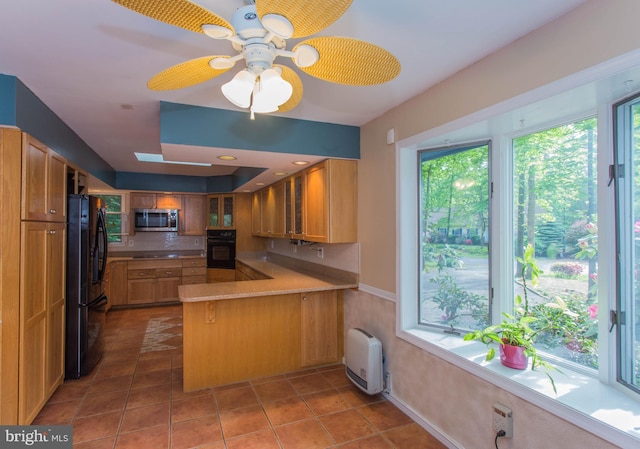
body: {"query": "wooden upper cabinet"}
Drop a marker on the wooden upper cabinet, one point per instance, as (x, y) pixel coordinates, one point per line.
(150, 200)
(330, 205)
(316, 213)
(318, 205)
(272, 210)
(293, 194)
(142, 200)
(192, 215)
(221, 211)
(44, 181)
(168, 201)
(256, 213)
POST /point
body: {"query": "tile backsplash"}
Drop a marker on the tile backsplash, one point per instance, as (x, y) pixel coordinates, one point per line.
(159, 241)
(343, 256)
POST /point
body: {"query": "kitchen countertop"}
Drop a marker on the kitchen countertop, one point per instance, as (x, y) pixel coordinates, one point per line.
(283, 281)
(144, 255)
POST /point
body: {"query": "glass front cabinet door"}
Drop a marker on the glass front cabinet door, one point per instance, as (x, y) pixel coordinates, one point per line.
(220, 211)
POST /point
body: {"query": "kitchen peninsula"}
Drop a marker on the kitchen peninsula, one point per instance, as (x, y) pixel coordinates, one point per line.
(289, 318)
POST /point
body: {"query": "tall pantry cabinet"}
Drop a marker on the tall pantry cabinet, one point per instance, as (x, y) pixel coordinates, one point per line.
(32, 277)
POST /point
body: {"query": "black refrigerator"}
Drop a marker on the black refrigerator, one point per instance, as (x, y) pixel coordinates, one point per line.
(86, 301)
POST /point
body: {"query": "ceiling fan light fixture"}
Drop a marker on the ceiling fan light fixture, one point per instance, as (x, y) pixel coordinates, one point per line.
(278, 25)
(305, 55)
(217, 31)
(238, 90)
(270, 92)
(222, 63)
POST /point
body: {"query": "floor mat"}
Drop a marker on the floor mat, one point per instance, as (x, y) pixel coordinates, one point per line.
(163, 334)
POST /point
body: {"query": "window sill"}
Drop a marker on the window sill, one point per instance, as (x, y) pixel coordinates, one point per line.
(582, 400)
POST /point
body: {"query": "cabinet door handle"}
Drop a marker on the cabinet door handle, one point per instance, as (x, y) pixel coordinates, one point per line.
(51, 232)
(52, 211)
(169, 272)
(304, 298)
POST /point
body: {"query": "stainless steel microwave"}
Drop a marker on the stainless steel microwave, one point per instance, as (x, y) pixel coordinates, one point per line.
(155, 220)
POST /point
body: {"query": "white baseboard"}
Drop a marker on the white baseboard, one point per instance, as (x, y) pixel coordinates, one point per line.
(433, 430)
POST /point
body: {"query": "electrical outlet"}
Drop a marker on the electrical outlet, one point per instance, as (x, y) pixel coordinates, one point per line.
(272, 244)
(196, 242)
(131, 242)
(320, 252)
(503, 419)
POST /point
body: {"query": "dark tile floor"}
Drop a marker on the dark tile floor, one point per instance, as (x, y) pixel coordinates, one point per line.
(134, 399)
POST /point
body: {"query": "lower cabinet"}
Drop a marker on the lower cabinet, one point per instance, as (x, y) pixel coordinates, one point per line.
(116, 287)
(260, 336)
(319, 314)
(150, 281)
(194, 271)
(42, 315)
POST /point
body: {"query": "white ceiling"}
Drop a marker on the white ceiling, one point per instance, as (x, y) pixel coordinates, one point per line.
(90, 60)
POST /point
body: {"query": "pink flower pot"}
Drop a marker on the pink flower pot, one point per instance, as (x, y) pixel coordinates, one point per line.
(513, 356)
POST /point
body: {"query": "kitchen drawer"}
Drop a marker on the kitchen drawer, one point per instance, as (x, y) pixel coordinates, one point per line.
(194, 271)
(168, 272)
(154, 264)
(186, 280)
(200, 262)
(141, 274)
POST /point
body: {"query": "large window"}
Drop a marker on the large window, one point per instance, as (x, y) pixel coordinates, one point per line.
(626, 172)
(553, 191)
(454, 229)
(554, 206)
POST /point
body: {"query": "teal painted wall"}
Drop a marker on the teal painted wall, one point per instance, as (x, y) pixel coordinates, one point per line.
(36, 119)
(7, 100)
(180, 124)
(197, 125)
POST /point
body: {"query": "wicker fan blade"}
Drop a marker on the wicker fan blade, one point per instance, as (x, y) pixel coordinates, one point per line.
(292, 78)
(181, 13)
(307, 16)
(350, 61)
(185, 74)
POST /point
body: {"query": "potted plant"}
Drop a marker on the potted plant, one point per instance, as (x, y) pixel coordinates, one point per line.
(514, 334)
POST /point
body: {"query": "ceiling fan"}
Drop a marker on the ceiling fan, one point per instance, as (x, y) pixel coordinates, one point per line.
(258, 32)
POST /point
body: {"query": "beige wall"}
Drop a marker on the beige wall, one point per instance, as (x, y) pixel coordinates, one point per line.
(596, 32)
(443, 395)
(453, 401)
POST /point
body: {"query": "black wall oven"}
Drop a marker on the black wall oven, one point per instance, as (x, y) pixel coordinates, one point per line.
(221, 249)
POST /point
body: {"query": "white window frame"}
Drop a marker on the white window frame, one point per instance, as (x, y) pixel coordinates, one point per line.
(469, 355)
(123, 214)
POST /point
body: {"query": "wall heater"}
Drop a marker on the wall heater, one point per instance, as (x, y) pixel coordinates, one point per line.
(363, 356)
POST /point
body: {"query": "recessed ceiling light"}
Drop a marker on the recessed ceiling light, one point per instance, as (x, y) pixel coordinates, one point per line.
(259, 183)
(151, 157)
(226, 157)
(280, 173)
(301, 162)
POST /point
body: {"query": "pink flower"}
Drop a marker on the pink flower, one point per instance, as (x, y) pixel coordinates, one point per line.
(593, 311)
(636, 226)
(583, 244)
(591, 228)
(594, 277)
